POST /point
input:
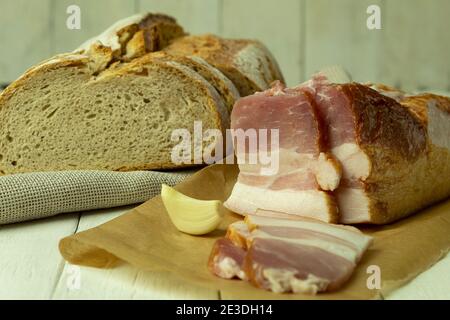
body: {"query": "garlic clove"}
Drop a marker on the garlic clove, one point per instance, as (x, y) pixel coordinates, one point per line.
(191, 215)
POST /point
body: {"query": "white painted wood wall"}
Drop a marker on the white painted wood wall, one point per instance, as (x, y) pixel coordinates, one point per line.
(411, 51)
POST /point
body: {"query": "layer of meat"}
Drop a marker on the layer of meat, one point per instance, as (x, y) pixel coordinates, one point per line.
(305, 170)
(281, 255)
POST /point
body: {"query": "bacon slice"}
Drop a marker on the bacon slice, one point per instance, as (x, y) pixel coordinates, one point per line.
(226, 260)
(300, 255)
(228, 254)
(281, 266)
(305, 172)
(309, 229)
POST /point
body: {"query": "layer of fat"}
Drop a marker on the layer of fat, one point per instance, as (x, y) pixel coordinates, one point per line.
(287, 161)
(355, 163)
(438, 126)
(238, 233)
(282, 158)
(247, 199)
(347, 233)
(109, 37)
(344, 251)
(277, 215)
(354, 205)
(282, 280)
(328, 172)
(228, 268)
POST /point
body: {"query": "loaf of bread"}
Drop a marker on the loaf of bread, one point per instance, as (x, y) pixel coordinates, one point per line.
(114, 102)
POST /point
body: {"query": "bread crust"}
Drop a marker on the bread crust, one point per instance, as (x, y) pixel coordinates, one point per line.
(58, 61)
(408, 171)
(137, 35)
(231, 57)
(381, 121)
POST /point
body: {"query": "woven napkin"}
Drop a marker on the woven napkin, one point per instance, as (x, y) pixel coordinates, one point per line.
(31, 196)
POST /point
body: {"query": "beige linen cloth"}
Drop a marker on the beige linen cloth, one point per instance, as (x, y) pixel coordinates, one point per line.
(31, 196)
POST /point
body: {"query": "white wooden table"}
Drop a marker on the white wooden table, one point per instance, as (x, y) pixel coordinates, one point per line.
(32, 268)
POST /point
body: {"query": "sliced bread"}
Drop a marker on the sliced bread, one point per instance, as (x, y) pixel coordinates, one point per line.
(113, 103)
(219, 81)
(59, 116)
(248, 63)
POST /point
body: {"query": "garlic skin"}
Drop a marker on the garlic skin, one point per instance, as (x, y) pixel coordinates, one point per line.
(189, 215)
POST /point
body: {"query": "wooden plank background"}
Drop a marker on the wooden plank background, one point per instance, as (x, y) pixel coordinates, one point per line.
(410, 51)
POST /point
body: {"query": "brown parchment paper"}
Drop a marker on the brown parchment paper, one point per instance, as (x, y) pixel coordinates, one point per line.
(146, 238)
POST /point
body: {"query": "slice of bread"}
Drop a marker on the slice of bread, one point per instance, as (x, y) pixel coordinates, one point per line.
(59, 116)
(219, 81)
(248, 63)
